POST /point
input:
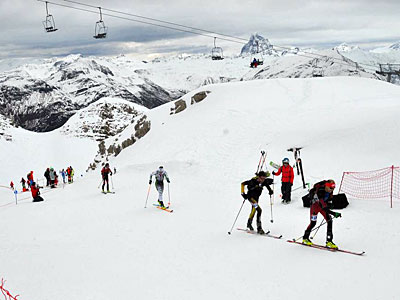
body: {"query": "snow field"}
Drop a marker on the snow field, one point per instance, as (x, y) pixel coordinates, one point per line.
(95, 246)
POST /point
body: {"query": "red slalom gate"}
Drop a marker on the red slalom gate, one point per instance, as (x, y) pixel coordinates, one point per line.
(7, 295)
(377, 184)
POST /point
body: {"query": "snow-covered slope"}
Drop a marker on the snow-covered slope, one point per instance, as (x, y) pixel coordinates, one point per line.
(97, 246)
(23, 151)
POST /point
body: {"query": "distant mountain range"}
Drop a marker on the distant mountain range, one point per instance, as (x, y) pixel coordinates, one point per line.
(44, 95)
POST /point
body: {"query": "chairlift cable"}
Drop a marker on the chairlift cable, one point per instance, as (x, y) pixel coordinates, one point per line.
(158, 20)
(139, 21)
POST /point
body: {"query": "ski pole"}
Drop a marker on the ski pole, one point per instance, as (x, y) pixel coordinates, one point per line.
(148, 193)
(229, 232)
(169, 197)
(270, 202)
(101, 181)
(259, 163)
(112, 184)
(317, 229)
(263, 162)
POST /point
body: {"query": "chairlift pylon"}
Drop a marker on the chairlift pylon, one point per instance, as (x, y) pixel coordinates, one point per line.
(216, 52)
(317, 71)
(100, 30)
(49, 24)
(257, 60)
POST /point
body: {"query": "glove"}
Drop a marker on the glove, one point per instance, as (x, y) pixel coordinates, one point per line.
(168, 181)
(273, 173)
(150, 181)
(337, 215)
(244, 195)
(271, 192)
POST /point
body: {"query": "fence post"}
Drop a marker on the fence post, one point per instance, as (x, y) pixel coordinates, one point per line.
(391, 189)
(341, 182)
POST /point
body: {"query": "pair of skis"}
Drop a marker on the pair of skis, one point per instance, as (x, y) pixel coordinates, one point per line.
(321, 247)
(315, 246)
(267, 234)
(164, 208)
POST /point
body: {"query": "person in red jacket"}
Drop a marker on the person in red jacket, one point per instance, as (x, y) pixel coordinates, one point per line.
(104, 174)
(287, 180)
(12, 185)
(35, 192)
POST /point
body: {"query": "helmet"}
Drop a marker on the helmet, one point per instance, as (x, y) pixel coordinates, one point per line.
(107, 164)
(285, 160)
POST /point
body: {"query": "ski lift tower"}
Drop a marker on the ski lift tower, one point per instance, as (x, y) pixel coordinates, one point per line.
(100, 30)
(216, 52)
(389, 70)
(49, 24)
(316, 70)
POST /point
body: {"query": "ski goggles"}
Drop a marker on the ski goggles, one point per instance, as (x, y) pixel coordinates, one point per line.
(330, 185)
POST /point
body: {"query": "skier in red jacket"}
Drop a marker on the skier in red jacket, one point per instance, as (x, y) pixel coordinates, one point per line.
(35, 192)
(287, 180)
(319, 195)
(104, 174)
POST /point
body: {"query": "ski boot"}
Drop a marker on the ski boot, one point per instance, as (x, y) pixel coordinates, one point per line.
(259, 228)
(330, 244)
(161, 204)
(306, 241)
(249, 226)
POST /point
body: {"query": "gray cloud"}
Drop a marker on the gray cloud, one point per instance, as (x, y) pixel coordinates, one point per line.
(288, 22)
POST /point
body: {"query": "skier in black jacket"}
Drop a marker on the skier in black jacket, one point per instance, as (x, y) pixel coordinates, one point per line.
(254, 190)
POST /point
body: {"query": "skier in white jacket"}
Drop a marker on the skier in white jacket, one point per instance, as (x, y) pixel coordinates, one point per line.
(159, 175)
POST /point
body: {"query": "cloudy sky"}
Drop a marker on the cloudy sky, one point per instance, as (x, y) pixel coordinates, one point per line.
(302, 23)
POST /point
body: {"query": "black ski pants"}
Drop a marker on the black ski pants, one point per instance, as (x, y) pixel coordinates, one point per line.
(253, 212)
(286, 189)
(105, 179)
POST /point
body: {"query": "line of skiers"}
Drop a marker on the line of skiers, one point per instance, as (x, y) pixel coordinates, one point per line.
(319, 195)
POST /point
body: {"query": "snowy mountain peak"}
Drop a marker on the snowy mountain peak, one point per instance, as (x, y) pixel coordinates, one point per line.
(395, 46)
(344, 47)
(258, 44)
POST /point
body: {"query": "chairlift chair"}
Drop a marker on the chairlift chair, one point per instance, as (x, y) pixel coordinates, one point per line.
(216, 52)
(49, 24)
(257, 59)
(100, 29)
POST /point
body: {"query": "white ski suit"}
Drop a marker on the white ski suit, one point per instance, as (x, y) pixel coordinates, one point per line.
(160, 174)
